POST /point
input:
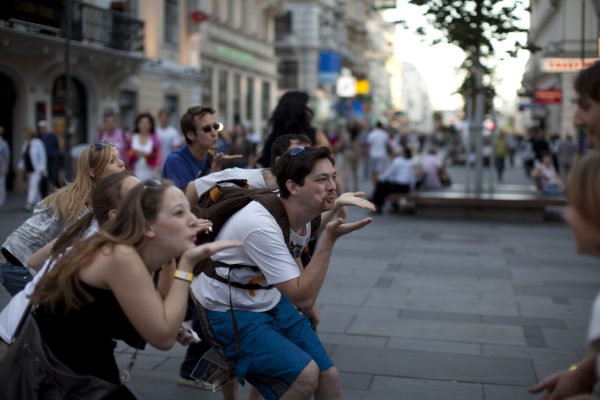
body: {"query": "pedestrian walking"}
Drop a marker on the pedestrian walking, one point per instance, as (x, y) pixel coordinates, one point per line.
(378, 142)
(501, 150)
(567, 152)
(143, 150)
(169, 137)
(33, 164)
(4, 165)
(113, 134)
(53, 157)
(102, 289)
(56, 213)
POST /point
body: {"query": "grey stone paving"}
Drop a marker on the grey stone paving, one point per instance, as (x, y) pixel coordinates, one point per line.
(430, 309)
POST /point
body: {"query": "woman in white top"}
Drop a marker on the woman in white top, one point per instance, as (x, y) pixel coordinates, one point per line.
(143, 153)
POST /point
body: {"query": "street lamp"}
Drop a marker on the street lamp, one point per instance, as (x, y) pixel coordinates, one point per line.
(67, 99)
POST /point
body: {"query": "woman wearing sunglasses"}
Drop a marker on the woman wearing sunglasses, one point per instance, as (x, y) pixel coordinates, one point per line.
(55, 213)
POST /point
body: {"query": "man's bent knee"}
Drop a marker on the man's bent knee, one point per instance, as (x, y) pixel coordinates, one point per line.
(330, 377)
(307, 381)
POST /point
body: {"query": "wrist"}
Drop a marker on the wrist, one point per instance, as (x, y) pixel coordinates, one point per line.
(183, 275)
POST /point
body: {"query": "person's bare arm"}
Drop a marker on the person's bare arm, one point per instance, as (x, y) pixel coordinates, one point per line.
(37, 259)
(303, 290)
(566, 384)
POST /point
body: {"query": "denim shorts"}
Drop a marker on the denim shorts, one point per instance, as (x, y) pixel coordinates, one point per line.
(14, 277)
(276, 345)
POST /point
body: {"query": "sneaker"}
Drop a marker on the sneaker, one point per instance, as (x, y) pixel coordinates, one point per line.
(195, 383)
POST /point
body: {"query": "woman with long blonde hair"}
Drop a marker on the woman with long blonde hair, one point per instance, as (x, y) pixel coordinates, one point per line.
(55, 213)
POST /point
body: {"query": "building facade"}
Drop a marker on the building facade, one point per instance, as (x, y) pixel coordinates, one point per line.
(127, 56)
(567, 32)
(239, 66)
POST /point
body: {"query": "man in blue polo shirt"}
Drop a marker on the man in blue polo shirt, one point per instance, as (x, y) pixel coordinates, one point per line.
(201, 132)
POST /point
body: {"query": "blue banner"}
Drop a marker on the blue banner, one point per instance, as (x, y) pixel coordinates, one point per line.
(330, 64)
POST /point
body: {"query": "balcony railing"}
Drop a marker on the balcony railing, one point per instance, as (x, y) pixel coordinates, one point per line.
(89, 23)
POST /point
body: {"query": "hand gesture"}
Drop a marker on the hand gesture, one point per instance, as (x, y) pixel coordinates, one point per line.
(186, 335)
(338, 227)
(355, 199)
(561, 386)
(198, 253)
(314, 315)
(220, 159)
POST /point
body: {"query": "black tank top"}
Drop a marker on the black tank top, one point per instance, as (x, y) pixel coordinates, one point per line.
(83, 339)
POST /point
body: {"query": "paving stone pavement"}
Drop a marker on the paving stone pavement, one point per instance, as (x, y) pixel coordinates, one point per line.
(422, 309)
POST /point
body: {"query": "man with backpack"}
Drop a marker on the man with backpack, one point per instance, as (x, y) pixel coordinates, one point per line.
(260, 329)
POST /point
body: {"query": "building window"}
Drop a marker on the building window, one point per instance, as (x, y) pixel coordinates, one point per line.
(266, 101)
(223, 95)
(171, 24)
(250, 98)
(283, 25)
(288, 74)
(127, 107)
(207, 97)
(172, 106)
(237, 101)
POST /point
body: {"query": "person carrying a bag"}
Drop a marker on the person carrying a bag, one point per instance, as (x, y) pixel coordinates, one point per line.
(101, 290)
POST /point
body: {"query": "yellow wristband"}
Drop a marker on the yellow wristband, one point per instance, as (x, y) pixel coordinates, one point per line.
(182, 275)
(573, 367)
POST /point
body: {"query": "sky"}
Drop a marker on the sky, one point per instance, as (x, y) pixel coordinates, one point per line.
(438, 64)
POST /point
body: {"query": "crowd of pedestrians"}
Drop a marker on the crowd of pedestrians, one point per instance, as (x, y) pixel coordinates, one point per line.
(115, 253)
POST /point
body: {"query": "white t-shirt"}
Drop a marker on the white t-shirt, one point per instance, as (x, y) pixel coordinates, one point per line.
(254, 177)
(169, 139)
(263, 246)
(378, 140)
(400, 171)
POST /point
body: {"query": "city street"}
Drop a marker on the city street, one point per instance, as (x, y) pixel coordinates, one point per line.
(429, 309)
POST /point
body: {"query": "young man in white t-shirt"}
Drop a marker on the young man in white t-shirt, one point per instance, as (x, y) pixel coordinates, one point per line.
(279, 352)
(169, 137)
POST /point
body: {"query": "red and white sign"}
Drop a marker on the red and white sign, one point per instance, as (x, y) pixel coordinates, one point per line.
(558, 65)
(548, 96)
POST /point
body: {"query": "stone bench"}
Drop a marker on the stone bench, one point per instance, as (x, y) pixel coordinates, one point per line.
(525, 206)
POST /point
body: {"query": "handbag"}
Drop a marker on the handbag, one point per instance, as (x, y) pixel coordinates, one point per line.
(30, 371)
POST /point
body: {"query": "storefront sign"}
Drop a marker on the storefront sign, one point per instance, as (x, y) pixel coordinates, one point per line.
(548, 96)
(559, 65)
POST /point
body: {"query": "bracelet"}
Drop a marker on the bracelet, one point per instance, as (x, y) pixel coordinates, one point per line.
(182, 275)
(573, 367)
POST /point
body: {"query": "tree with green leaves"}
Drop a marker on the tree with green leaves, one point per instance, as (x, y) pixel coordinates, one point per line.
(476, 27)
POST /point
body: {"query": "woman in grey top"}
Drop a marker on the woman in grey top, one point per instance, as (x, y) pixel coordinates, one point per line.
(55, 213)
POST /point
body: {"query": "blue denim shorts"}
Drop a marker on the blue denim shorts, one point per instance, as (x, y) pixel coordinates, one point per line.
(14, 277)
(276, 346)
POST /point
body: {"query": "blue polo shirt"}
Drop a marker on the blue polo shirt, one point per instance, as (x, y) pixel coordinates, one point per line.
(182, 167)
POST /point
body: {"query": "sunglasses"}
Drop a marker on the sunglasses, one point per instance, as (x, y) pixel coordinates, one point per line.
(152, 183)
(98, 145)
(295, 151)
(101, 145)
(217, 126)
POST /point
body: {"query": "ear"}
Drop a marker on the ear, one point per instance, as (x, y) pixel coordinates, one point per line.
(190, 135)
(149, 232)
(112, 214)
(291, 186)
(92, 173)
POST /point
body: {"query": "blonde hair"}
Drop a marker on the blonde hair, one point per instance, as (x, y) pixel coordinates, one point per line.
(583, 188)
(68, 201)
(140, 206)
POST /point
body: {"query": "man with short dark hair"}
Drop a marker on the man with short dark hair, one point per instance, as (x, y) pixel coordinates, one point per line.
(52, 157)
(279, 352)
(201, 131)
